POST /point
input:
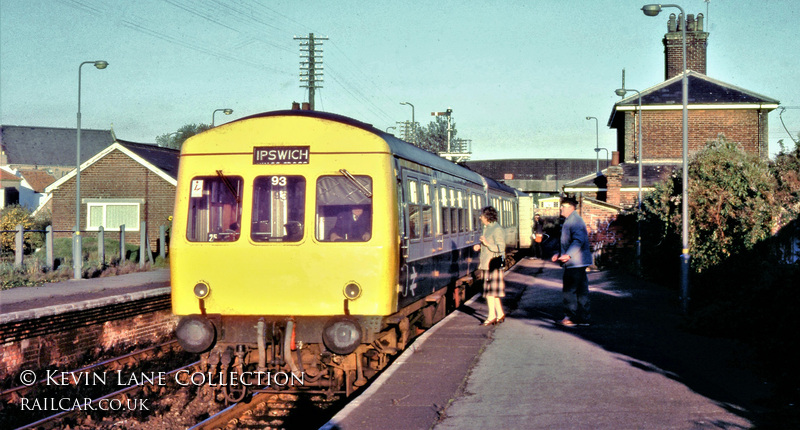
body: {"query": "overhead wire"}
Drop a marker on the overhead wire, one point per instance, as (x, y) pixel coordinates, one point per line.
(780, 115)
(250, 25)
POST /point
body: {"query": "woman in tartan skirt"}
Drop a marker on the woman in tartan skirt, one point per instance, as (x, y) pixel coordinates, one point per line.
(492, 245)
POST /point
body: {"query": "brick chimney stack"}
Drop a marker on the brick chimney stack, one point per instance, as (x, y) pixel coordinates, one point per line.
(696, 46)
(614, 175)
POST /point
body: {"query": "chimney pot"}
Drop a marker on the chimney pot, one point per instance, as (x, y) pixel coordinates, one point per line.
(615, 158)
(295, 106)
(696, 46)
(672, 24)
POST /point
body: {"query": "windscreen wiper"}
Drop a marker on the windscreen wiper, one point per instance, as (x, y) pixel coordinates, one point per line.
(367, 193)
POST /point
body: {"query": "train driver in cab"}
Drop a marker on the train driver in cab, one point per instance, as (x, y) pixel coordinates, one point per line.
(353, 225)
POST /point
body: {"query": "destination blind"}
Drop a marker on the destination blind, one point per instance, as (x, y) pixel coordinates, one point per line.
(281, 155)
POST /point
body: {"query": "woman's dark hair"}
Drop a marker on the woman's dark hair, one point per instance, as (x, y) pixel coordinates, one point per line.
(490, 213)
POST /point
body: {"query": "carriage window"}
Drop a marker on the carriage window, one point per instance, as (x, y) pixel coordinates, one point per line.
(413, 210)
(215, 209)
(454, 222)
(412, 192)
(461, 221)
(476, 212)
(445, 212)
(278, 208)
(344, 209)
(427, 212)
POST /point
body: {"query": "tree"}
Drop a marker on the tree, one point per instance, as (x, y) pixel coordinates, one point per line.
(732, 204)
(175, 140)
(786, 169)
(433, 138)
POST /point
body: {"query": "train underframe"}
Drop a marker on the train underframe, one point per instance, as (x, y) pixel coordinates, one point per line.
(289, 355)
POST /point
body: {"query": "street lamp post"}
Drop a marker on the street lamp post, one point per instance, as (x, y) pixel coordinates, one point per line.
(653, 10)
(597, 137)
(225, 111)
(77, 250)
(621, 92)
(413, 123)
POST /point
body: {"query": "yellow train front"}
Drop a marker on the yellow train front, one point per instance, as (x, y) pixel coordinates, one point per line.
(305, 248)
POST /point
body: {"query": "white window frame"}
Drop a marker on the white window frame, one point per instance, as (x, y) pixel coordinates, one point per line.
(105, 203)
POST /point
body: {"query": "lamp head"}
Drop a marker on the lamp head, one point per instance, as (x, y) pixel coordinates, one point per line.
(227, 111)
(651, 9)
(620, 92)
(588, 117)
(101, 64)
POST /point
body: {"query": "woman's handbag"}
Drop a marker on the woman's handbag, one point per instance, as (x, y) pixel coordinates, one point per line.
(496, 263)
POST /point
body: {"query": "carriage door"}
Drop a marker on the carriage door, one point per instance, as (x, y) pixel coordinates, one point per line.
(413, 207)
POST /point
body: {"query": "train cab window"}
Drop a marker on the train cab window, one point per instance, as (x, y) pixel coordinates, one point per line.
(427, 211)
(278, 208)
(215, 209)
(344, 209)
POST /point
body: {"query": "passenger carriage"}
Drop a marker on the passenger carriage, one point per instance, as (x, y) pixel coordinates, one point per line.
(260, 282)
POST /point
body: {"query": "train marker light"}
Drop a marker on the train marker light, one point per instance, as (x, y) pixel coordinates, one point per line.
(201, 290)
(352, 290)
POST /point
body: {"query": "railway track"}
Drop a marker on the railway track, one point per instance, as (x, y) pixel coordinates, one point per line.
(53, 399)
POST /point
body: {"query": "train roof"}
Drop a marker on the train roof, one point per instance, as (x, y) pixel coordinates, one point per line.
(398, 147)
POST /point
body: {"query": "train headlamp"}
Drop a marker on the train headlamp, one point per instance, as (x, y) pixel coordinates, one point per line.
(352, 290)
(201, 290)
(342, 335)
(196, 334)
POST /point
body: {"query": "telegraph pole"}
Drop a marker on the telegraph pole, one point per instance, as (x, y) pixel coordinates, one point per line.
(311, 66)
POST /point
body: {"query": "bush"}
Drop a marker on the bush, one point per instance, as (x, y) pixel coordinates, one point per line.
(731, 204)
(10, 218)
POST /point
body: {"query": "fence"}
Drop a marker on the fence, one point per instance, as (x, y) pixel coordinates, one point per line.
(145, 253)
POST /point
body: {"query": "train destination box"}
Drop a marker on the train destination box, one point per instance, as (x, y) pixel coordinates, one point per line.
(280, 155)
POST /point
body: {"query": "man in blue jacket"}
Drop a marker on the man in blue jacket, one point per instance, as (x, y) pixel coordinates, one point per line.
(575, 255)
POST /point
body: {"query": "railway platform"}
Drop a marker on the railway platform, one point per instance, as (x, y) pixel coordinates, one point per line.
(24, 303)
(633, 368)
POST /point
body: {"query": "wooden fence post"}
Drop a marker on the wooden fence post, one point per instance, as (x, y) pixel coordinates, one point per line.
(162, 242)
(142, 242)
(101, 245)
(48, 245)
(19, 246)
(122, 243)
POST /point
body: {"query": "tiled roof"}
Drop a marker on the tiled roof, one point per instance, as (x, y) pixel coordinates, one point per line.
(45, 146)
(6, 176)
(165, 159)
(38, 179)
(702, 90)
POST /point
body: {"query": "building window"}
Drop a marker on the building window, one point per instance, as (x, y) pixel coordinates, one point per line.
(111, 214)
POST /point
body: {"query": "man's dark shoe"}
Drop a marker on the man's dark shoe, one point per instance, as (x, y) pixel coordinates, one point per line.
(566, 322)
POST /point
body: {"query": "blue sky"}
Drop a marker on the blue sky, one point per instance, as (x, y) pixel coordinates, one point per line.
(521, 76)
